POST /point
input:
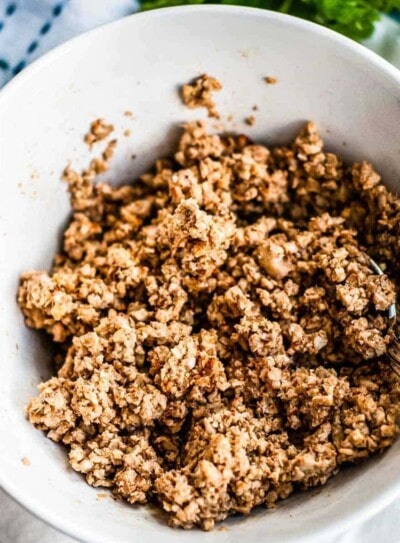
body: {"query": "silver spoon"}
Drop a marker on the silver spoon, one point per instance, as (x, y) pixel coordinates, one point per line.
(393, 352)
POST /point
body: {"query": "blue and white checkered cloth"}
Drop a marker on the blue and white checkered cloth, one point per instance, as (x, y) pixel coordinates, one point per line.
(29, 28)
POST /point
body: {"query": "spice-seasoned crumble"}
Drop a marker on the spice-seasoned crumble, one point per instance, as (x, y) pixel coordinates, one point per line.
(223, 334)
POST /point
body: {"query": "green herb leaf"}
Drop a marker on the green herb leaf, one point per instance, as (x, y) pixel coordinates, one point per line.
(354, 18)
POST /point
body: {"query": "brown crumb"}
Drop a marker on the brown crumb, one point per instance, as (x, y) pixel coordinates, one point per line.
(250, 120)
(108, 153)
(127, 132)
(25, 460)
(270, 80)
(255, 108)
(128, 113)
(199, 92)
(221, 336)
(102, 496)
(99, 130)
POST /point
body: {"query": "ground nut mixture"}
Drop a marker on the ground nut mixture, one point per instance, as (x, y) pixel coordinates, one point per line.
(199, 93)
(221, 335)
(99, 130)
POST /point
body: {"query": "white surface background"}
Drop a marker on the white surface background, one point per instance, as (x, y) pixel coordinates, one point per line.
(18, 525)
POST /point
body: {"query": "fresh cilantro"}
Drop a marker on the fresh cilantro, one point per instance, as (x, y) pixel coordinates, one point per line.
(354, 18)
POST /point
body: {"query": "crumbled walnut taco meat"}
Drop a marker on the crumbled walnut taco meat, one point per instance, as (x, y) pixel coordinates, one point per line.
(222, 335)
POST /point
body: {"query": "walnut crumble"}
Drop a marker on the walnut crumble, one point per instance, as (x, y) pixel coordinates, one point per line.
(99, 130)
(198, 93)
(220, 330)
(251, 120)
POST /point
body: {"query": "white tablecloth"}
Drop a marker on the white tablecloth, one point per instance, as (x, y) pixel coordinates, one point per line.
(26, 19)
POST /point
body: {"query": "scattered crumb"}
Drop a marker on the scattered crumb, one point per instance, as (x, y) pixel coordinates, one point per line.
(101, 495)
(25, 460)
(99, 130)
(229, 118)
(250, 120)
(198, 93)
(255, 108)
(108, 153)
(127, 132)
(270, 80)
(97, 166)
(128, 113)
(133, 157)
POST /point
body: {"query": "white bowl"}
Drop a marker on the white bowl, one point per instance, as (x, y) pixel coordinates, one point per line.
(136, 64)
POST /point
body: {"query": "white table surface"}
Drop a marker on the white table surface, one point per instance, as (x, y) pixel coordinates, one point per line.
(18, 525)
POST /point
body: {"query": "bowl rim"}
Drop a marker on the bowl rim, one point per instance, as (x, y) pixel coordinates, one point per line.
(375, 503)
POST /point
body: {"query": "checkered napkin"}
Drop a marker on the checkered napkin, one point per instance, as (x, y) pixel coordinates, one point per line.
(29, 28)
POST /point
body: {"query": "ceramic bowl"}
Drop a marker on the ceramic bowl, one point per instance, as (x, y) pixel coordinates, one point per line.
(136, 64)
